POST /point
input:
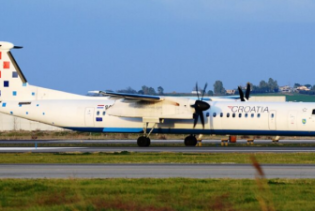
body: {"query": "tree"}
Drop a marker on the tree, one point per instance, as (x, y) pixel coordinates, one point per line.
(218, 88)
(296, 85)
(160, 90)
(151, 91)
(145, 89)
(308, 86)
(273, 85)
(127, 90)
(210, 93)
(140, 92)
(263, 86)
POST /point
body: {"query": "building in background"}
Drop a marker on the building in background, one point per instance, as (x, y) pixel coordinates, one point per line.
(302, 88)
(230, 91)
(285, 89)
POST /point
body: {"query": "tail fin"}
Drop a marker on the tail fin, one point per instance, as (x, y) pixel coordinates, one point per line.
(13, 83)
(11, 76)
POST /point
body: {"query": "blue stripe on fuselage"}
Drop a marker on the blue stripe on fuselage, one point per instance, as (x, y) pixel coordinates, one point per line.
(195, 131)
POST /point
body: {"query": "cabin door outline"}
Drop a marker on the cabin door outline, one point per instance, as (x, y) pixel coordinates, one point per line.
(292, 116)
(272, 120)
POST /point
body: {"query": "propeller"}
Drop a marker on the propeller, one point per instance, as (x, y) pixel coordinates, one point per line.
(200, 106)
(246, 93)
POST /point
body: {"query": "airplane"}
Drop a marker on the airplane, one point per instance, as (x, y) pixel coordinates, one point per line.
(145, 114)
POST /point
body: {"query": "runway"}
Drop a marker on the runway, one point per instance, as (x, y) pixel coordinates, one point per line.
(238, 171)
(240, 141)
(219, 149)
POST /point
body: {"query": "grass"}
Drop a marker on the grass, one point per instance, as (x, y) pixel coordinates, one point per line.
(156, 194)
(134, 157)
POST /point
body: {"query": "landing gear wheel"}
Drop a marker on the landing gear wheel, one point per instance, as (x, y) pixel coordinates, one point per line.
(143, 141)
(190, 141)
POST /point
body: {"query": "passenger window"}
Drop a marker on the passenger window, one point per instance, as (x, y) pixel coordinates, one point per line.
(104, 113)
(221, 114)
(246, 115)
(258, 115)
(252, 115)
(239, 115)
(233, 115)
(227, 115)
(272, 115)
(97, 113)
(214, 114)
(313, 112)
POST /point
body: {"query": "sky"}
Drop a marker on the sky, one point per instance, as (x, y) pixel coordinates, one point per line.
(78, 46)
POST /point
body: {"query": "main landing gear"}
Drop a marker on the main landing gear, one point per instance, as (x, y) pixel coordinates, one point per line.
(190, 141)
(144, 141)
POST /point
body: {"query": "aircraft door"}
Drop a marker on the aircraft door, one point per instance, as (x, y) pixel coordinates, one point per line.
(272, 120)
(215, 120)
(292, 120)
(89, 117)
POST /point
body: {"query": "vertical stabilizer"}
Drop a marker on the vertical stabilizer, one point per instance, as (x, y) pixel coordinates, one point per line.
(13, 83)
(12, 79)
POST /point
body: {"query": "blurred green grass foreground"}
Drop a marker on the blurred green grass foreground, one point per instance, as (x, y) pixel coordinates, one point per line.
(157, 194)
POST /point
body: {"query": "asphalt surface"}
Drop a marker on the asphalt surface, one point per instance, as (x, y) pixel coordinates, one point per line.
(238, 171)
(219, 149)
(240, 141)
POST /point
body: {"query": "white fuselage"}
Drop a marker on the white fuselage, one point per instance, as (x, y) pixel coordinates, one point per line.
(223, 117)
(123, 112)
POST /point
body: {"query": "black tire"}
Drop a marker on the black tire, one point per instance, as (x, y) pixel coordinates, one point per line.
(190, 141)
(143, 141)
(148, 142)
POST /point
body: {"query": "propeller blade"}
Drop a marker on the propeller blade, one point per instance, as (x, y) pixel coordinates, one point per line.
(247, 91)
(202, 120)
(200, 106)
(241, 93)
(195, 119)
(197, 90)
(18, 47)
(204, 91)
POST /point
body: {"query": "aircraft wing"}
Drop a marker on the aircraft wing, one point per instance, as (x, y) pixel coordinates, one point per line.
(134, 96)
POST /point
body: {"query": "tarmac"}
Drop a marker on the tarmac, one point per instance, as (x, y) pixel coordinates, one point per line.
(236, 171)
